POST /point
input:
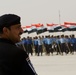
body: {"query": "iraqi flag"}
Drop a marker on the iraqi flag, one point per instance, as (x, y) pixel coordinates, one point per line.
(69, 23)
(66, 27)
(29, 29)
(33, 26)
(52, 27)
(63, 28)
(40, 28)
(71, 26)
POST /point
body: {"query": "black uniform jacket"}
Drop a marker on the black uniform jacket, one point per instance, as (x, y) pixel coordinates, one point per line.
(13, 59)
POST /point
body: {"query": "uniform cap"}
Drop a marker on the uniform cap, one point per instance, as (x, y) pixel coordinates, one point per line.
(8, 20)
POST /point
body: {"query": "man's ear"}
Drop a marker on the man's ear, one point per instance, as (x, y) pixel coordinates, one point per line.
(5, 30)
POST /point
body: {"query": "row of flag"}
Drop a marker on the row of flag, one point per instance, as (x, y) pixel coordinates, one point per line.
(40, 28)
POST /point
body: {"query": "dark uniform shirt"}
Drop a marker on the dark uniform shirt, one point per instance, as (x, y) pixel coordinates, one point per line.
(13, 60)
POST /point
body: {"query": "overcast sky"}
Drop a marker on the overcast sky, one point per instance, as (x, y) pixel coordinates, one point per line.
(40, 11)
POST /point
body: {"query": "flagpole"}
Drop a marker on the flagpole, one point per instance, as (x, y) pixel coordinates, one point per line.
(59, 18)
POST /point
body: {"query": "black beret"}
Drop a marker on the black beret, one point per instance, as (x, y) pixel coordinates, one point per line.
(8, 20)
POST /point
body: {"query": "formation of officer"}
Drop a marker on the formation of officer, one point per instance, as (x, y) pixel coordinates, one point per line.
(49, 44)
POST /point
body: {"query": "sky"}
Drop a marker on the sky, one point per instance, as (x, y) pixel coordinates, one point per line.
(40, 11)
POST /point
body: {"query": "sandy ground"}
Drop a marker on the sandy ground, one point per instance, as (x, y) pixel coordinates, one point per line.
(55, 65)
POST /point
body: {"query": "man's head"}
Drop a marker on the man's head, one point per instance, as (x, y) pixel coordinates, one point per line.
(10, 27)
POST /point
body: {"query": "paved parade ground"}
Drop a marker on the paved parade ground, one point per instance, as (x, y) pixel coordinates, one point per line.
(55, 65)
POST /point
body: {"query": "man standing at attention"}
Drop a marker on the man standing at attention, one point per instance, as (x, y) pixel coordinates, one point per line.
(13, 60)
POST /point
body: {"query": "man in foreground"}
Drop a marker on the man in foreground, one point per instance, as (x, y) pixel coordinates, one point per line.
(13, 60)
